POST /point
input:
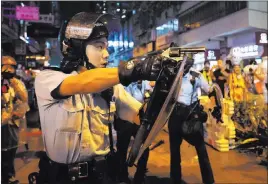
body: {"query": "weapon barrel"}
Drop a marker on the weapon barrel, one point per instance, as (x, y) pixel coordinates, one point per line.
(178, 51)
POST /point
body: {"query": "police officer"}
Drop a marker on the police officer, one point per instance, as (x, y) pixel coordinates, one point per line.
(140, 90)
(186, 123)
(75, 103)
(14, 104)
(125, 130)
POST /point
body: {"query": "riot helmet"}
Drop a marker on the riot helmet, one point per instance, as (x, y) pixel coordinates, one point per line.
(78, 31)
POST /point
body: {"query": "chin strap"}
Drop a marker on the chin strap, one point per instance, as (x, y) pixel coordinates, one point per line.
(89, 66)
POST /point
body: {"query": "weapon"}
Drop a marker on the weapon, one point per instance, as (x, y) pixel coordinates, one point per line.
(216, 113)
(162, 101)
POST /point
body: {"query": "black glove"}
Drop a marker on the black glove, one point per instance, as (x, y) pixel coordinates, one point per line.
(216, 113)
(7, 75)
(147, 69)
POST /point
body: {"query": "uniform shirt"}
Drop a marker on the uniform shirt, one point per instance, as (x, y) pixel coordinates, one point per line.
(75, 129)
(138, 93)
(187, 90)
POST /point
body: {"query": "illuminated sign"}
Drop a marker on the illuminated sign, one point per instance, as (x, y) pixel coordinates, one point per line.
(210, 55)
(248, 51)
(199, 58)
(27, 13)
(261, 38)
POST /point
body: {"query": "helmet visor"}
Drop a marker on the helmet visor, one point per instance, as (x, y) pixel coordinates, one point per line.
(82, 24)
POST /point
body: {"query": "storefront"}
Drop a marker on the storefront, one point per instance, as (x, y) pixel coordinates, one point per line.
(249, 46)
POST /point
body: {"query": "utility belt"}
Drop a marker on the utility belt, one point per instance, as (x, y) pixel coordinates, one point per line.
(189, 111)
(93, 171)
(181, 106)
(79, 170)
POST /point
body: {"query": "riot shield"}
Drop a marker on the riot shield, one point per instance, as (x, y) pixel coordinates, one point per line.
(161, 104)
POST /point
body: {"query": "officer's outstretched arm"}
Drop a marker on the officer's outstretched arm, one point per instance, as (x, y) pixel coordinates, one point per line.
(96, 80)
(91, 81)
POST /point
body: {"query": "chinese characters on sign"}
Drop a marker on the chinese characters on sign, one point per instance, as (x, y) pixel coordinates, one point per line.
(247, 51)
(27, 13)
(261, 38)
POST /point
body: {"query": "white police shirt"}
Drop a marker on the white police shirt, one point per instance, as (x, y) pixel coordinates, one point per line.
(137, 93)
(76, 129)
(188, 92)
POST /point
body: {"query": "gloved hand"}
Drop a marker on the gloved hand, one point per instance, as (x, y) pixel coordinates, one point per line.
(147, 69)
(216, 113)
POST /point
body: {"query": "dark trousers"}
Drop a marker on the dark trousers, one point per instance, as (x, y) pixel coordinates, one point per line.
(9, 144)
(7, 166)
(175, 137)
(124, 132)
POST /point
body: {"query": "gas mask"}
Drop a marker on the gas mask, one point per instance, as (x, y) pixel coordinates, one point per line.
(7, 75)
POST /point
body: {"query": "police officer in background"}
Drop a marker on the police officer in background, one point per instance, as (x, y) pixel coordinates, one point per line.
(78, 101)
(14, 104)
(186, 122)
(140, 90)
(125, 130)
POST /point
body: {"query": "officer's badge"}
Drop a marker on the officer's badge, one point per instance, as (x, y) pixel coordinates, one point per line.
(130, 65)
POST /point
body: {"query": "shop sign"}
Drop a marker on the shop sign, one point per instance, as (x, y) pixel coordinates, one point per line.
(27, 13)
(212, 55)
(261, 38)
(248, 51)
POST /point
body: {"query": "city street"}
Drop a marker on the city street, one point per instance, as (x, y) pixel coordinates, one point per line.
(229, 167)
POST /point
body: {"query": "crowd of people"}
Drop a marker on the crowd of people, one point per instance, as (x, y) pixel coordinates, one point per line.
(246, 86)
